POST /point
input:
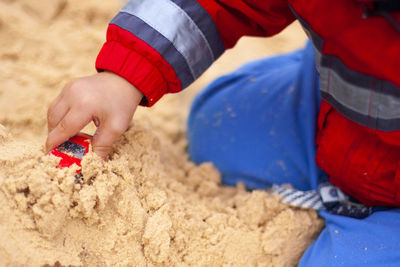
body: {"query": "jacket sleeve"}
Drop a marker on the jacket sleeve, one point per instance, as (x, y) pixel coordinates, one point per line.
(162, 46)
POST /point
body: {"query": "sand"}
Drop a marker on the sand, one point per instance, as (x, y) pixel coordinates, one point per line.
(149, 205)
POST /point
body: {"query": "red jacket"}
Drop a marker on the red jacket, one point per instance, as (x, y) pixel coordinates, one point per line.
(161, 46)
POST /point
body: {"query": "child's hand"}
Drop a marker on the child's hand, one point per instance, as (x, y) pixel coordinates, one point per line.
(106, 98)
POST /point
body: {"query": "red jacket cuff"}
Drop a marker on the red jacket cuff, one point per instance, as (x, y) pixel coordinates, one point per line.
(135, 68)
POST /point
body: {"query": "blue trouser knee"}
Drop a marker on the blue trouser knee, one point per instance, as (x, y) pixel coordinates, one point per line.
(257, 125)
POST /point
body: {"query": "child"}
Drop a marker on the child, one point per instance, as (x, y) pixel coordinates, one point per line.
(266, 123)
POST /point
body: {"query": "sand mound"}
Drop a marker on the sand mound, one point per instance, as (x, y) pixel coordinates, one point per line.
(147, 206)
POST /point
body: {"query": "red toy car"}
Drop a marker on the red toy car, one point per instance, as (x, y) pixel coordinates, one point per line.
(73, 150)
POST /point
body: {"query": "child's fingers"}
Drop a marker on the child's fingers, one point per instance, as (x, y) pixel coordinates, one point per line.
(57, 109)
(105, 136)
(67, 127)
(55, 114)
(55, 101)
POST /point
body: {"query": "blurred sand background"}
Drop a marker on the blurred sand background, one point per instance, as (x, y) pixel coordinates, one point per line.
(149, 205)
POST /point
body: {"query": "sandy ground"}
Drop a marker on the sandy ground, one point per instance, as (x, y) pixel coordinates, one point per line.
(147, 206)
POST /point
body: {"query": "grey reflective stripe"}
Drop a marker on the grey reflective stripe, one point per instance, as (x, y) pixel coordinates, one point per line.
(176, 26)
(368, 101)
(153, 38)
(373, 123)
(362, 98)
(205, 23)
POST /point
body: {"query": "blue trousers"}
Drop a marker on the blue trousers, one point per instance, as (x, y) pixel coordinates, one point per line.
(257, 125)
